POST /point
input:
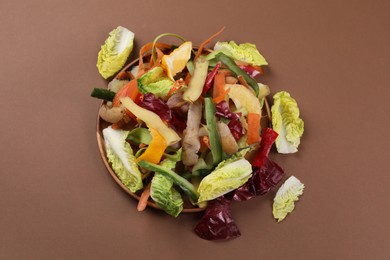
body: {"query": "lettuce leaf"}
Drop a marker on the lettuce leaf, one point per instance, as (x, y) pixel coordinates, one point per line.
(286, 196)
(155, 81)
(286, 122)
(120, 155)
(228, 176)
(165, 196)
(115, 51)
(246, 52)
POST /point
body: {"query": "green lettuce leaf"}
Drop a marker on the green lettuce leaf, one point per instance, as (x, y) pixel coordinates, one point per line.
(228, 176)
(284, 201)
(162, 191)
(120, 155)
(286, 122)
(165, 196)
(115, 51)
(156, 82)
(246, 52)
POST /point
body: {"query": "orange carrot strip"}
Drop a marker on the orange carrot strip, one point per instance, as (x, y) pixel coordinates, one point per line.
(221, 97)
(253, 135)
(129, 90)
(200, 49)
(219, 84)
(143, 200)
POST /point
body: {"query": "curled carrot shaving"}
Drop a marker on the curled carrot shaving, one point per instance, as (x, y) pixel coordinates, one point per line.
(160, 54)
(143, 200)
(144, 49)
(201, 47)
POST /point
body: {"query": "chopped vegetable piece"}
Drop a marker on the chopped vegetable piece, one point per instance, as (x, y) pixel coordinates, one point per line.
(234, 124)
(267, 139)
(120, 155)
(156, 82)
(243, 97)
(152, 120)
(215, 139)
(190, 141)
(139, 135)
(286, 122)
(165, 196)
(226, 177)
(195, 86)
(171, 116)
(115, 84)
(251, 71)
(156, 148)
(229, 144)
(185, 185)
(262, 180)
(129, 90)
(284, 201)
(207, 41)
(177, 60)
(115, 51)
(253, 135)
(219, 85)
(143, 200)
(246, 52)
(111, 114)
(217, 222)
(210, 78)
(103, 93)
(229, 63)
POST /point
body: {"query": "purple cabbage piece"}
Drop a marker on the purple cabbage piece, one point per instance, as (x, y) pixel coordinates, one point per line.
(172, 116)
(250, 70)
(217, 222)
(235, 125)
(263, 179)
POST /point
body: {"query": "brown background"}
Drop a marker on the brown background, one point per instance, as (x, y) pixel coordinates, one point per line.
(58, 201)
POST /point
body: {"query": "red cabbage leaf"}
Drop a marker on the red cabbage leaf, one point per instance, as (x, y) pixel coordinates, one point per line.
(217, 222)
(234, 124)
(172, 116)
(263, 179)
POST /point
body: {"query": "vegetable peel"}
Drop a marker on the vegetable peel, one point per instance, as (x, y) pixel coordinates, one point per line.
(284, 201)
(115, 51)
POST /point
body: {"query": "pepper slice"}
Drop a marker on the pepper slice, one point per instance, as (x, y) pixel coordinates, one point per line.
(156, 148)
(267, 139)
